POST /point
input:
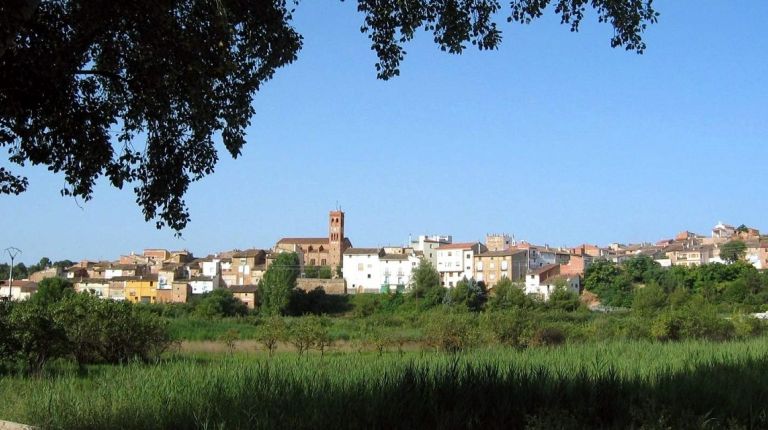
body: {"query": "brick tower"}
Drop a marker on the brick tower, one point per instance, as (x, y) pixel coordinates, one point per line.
(335, 238)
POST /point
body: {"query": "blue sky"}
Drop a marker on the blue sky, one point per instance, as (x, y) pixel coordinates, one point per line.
(556, 138)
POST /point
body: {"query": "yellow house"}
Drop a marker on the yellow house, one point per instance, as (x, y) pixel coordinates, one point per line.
(141, 289)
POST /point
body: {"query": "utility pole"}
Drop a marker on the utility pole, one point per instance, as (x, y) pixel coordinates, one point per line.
(12, 252)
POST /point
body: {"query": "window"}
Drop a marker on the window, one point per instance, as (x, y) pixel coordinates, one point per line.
(322, 262)
(369, 276)
(360, 267)
(449, 253)
(493, 265)
(504, 265)
(479, 266)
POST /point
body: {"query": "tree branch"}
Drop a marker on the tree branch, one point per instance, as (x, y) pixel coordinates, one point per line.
(110, 75)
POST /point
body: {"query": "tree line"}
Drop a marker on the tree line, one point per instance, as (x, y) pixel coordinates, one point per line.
(57, 323)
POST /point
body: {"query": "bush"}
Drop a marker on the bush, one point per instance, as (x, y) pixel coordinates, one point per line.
(649, 300)
(694, 321)
(507, 295)
(548, 336)
(220, 303)
(450, 332)
(51, 290)
(745, 326)
(36, 337)
(467, 293)
(508, 328)
(307, 332)
(316, 302)
(272, 330)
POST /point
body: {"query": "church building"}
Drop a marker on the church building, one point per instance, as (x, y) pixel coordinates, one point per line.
(320, 251)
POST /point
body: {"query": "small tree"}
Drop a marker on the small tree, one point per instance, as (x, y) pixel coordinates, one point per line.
(467, 293)
(450, 332)
(230, 338)
(304, 332)
(649, 300)
(51, 290)
(425, 278)
(79, 316)
(507, 295)
(36, 335)
(310, 271)
(510, 328)
(325, 272)
(220, 303)
(271, 332)
(278, 282)
(733, 251)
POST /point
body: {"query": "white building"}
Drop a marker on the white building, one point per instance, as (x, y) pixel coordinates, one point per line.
(361, 269)
(396, 270)
(204, 284)
(545, 288)
(454, 261)
(428, 246)
(539, 256)
(723, 231)
(368, 270)
(19, 290)
(536, 280)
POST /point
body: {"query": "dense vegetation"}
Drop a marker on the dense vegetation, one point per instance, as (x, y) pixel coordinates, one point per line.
(691, 384)
(672, 348)
(737, 286)
(57, 323)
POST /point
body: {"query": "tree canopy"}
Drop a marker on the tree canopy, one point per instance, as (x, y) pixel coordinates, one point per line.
(733, 251)
(139, 93)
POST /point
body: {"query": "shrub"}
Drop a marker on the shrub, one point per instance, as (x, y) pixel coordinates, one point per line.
(51, 290)
(649, 300)
(548, 336)
(745, 326)
(450, 332)
(230, 338)
(508, 328)
(220, 303)
(467, 293)
(307, 332)
(272, 331)
(507, 295)
(36, 335)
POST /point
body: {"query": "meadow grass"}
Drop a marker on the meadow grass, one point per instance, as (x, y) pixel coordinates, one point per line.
(626, 384)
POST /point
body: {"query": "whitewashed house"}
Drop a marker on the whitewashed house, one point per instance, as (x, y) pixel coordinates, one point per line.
(369, 270)
(428, 246)
(454, 261)
(542, 282)
(361, 269)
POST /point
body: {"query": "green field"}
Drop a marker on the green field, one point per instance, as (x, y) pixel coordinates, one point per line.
(690, 384)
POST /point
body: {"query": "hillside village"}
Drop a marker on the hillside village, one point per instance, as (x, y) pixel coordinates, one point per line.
(332, 263)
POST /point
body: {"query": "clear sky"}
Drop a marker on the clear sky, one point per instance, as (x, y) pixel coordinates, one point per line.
(556, 138)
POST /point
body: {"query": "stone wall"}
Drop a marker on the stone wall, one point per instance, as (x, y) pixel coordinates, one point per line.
(331, 286)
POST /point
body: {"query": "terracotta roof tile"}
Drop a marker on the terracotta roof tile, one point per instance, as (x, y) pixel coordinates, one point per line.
(463, 245)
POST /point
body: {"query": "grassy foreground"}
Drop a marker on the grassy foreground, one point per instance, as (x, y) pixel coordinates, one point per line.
(612, 385)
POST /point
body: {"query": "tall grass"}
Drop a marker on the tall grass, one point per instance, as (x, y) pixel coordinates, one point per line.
(613, 385)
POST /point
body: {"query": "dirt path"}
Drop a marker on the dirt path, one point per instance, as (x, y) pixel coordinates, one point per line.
(215, 346)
